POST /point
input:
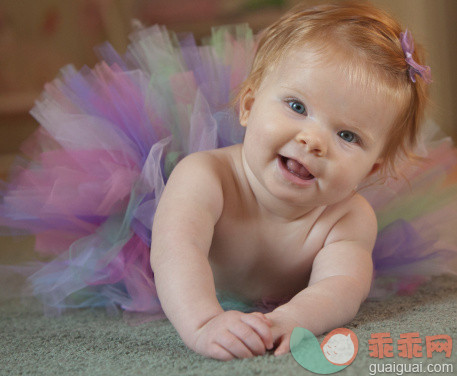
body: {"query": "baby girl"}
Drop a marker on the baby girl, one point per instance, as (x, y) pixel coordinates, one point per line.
(335, 95)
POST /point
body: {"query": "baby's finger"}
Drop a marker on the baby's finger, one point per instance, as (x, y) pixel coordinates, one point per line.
(234, 345)
(249, 337)
(284, 345)
(219, 353)
(263, 317)
(261, 328)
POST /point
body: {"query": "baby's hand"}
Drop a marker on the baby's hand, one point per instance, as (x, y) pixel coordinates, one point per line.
(283, 325)
(234, 334)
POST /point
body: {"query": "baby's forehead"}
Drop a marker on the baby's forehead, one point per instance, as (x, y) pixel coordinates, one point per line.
(356, 69)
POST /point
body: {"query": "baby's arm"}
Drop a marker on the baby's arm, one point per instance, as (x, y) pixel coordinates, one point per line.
(190, 206)
(340, 280)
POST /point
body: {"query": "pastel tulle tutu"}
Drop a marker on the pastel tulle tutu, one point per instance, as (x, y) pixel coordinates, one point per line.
(110, 137)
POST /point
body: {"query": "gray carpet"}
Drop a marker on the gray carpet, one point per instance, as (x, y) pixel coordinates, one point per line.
(94, 342)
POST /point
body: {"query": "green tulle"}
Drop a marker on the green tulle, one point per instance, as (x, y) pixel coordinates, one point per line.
(231, 302)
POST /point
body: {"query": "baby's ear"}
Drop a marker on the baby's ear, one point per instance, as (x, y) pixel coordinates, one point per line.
(246, 102)
(376, 167)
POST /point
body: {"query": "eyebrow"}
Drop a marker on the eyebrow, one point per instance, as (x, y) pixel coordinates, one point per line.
(290, 88)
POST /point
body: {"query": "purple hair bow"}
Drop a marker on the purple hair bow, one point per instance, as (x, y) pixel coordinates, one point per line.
(424, 71)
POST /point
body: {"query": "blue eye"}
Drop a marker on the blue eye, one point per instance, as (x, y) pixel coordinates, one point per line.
(348, 136)
(297, 106)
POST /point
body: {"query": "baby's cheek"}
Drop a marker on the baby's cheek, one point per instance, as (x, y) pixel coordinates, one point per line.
(353, 177)
(345, 182)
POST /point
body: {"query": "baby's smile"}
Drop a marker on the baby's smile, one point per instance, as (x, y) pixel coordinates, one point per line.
(293, 170)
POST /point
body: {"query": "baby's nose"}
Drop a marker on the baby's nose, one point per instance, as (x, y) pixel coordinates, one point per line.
(314, 141)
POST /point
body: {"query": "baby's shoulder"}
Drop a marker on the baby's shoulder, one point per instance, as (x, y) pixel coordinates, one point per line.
(208, 168)
(354, 219)
(216, 162)
(359, 207)
(196, 185)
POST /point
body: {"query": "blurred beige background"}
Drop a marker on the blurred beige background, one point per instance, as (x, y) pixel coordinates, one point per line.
(37, 38)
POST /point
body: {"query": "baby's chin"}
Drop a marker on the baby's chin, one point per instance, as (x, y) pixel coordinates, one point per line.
(292, 196)
(302, 195)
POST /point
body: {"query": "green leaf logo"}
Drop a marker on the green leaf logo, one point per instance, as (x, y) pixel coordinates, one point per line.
(338, 350)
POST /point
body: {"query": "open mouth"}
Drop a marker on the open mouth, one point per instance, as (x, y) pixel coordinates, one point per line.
(295, 168)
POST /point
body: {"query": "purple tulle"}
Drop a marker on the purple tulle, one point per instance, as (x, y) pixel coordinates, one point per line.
(400, 246)
(108, 140)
